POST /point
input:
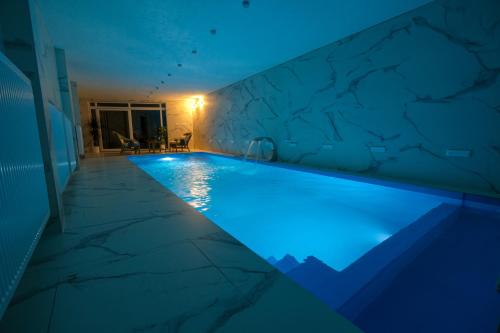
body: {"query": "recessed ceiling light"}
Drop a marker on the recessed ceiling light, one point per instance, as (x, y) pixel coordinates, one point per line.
(169, 74)
(213, 31)
(194, 52)
(179, 65)
(245, 3)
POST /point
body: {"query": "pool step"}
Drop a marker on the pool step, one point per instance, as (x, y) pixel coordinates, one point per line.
(367, 278)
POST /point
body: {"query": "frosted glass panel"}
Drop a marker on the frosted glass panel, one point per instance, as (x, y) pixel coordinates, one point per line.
(59, 144)
(24, 206)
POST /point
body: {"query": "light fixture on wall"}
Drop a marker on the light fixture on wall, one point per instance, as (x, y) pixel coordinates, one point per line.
(195, 103)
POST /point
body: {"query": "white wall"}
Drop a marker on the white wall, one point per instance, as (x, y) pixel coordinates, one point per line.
(179, 120)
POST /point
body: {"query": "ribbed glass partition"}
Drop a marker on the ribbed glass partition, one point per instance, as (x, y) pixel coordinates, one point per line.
(24, 207)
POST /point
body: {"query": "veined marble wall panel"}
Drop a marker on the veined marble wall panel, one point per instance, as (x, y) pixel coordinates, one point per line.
(393, 101)
(48, 62)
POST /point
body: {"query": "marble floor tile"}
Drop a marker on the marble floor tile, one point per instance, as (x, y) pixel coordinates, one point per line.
(31, 315)
(136, 258)
(142, 301)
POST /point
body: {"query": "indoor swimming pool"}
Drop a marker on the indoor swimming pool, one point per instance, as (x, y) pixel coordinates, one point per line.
(295, 219)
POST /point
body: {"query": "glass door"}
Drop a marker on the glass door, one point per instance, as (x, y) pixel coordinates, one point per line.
(145, 124)
(136, 121)
(113, 120)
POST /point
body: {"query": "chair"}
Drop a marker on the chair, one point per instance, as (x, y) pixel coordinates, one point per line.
(154, 143)
(182, 143)
(128, 144)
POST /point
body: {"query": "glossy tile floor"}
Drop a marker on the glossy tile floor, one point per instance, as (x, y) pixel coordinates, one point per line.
(135, 258)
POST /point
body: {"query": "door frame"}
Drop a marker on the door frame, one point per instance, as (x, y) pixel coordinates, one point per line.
(131, 106)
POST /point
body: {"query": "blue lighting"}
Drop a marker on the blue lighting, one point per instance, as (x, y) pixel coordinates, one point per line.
(278, 211)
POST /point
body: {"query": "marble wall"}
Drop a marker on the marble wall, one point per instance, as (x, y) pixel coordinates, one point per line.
(401, 100)
(48, 61)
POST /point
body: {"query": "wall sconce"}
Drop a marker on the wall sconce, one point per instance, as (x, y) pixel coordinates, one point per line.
(195, 103)
(199, 102)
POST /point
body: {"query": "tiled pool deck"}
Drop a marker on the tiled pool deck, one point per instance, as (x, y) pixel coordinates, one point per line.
(135, 258)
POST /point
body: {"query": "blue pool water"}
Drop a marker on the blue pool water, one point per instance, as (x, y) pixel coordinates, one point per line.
(280, 212)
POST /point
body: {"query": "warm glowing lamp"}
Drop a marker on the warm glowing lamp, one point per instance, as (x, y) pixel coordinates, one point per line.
(200, 102)
(195, 103)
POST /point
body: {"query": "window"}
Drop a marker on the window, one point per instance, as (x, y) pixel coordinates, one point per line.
(139, 121)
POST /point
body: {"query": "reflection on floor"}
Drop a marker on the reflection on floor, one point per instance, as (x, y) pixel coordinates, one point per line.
(449, 287)
(135, 258)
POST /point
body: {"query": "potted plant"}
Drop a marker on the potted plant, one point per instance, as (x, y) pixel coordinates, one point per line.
(94, 133)
(162, 136)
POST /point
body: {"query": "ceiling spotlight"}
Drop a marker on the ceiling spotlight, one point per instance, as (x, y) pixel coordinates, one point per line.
(246, 3)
